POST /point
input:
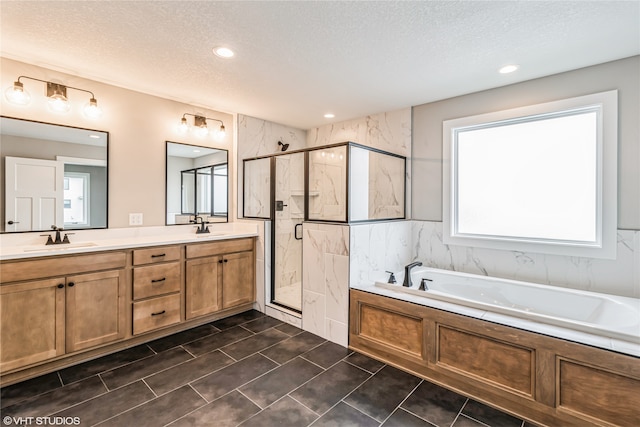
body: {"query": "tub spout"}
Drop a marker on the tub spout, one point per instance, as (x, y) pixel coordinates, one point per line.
(407, 273)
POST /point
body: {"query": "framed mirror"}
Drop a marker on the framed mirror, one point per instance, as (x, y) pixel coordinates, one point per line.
(52, 175)
(197, 183)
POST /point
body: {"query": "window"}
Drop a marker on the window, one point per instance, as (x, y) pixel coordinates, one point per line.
(541, 178)
(76, 198)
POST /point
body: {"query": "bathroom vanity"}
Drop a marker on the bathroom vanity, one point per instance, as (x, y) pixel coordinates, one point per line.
(544, 379)
(64, 308)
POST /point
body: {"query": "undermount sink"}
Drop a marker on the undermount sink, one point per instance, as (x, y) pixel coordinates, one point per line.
(59, 247)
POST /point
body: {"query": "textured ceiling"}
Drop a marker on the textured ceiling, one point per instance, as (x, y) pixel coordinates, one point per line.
(296, 61)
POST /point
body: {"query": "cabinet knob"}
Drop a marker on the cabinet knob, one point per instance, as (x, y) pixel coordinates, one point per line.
(60, 286)
(220, 262)
(226, 260)
(71, 284)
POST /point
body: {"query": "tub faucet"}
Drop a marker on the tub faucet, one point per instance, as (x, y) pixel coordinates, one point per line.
(407, 273)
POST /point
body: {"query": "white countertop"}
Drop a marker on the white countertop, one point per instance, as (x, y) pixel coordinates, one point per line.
(31, 245)
(612, 344)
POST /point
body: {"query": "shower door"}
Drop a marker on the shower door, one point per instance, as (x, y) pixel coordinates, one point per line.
(289, 212)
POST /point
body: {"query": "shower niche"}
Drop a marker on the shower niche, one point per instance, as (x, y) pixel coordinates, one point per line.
(339, 183)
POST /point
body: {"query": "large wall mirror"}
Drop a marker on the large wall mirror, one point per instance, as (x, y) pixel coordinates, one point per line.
(52, 175)
(197, 184)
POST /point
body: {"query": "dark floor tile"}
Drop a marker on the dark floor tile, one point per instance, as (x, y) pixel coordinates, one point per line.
(105, 363)
(186, 372)
(56, 400)
(110, 404)
(215, 341)
(275, 384)
(228, 411)
(144, 367)
(463, 421)
(13, 394)
(183, 337)
(160, 411)
(233, 376)
(435, 404)
(401, 418)
(328, 388)
(343, 415)
(292, 347)
(289, 329)
(262, 324)
(382, 393)
(327, 354)
(255, 343)
(488, 415)
(238, 319)
(286, 412)
(365, 362)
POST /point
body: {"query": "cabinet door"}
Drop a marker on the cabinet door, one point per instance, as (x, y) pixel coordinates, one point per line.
(31, 322)
(238, 286)
(203, 290)
(95, 309)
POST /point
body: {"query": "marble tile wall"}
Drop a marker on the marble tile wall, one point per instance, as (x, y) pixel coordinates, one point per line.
(328, 184)
(391, 245)
(325, 295)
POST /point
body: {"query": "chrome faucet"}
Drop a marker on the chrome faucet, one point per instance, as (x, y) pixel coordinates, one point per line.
(58, 240)
(407, 273)
(203, 227)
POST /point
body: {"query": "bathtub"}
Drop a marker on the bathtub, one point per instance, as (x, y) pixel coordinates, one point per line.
(605, 315)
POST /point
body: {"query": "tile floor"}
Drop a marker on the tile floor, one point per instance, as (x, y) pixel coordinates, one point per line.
(248, 370)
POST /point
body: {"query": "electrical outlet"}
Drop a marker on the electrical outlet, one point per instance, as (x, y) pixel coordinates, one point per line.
(135, 219)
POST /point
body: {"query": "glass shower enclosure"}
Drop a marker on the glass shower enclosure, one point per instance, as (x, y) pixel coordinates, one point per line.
(339, 183)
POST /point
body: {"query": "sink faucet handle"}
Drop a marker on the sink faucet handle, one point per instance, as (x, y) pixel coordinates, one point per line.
(49, 239)
(392, 277)
(66, 237)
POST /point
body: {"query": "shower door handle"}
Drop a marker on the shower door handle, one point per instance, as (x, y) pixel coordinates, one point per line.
(295, 232)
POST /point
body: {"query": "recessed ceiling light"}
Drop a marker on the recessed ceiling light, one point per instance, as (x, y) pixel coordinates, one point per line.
(508, 69)
(223, 52)
(329, 116)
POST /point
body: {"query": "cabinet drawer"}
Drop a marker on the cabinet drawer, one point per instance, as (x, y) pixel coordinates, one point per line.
(158, 254)
(220, 247)
(156, 313)
(156, 280)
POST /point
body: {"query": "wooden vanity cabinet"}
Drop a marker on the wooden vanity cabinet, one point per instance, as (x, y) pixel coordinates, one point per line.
(61, 307)
(219, 275)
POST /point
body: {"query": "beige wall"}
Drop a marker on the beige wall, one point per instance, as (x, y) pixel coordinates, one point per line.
(622, 75)
(138, 126)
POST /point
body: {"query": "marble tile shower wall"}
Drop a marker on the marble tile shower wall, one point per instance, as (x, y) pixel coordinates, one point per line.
(325, 295)
(389, 246)
(389, 131)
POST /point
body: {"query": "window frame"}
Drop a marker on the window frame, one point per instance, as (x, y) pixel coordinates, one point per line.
(604, 246)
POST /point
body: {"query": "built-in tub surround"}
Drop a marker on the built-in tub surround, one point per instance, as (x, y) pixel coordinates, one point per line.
(29, 245)
(598, 314)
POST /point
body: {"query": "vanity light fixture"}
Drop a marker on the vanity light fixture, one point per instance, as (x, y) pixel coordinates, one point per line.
(200, 125)
(56, 97)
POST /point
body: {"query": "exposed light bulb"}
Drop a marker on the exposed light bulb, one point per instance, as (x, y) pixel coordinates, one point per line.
(17, 95)
(58, 102)
(92, 110)
(183, 127)
(221, 132)
(202, 130)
